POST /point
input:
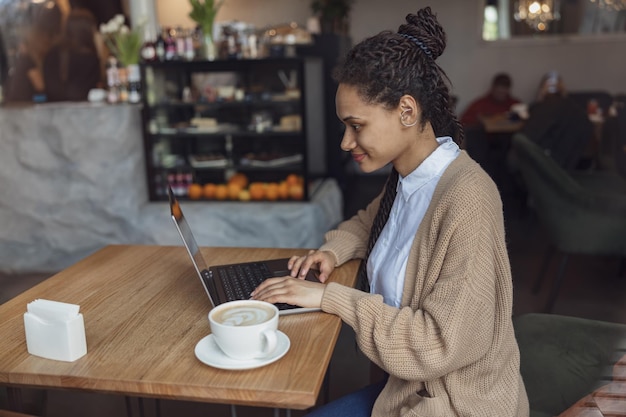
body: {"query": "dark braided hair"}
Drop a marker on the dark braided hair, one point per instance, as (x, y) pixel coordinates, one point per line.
(387, 66)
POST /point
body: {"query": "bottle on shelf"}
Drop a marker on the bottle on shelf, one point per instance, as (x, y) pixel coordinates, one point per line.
(170, 45)
(148, 51)
(134, 84)
(113, 81)
(179, 36)
(123, 84)
(159, 47)
(190, 52)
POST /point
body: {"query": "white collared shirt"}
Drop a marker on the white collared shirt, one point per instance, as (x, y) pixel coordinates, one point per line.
(386, 264)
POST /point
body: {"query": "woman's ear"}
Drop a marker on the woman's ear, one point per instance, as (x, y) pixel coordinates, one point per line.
(408, 108)
(407, 102)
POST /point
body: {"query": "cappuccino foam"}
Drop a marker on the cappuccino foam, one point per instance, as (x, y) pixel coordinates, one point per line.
(245, 315)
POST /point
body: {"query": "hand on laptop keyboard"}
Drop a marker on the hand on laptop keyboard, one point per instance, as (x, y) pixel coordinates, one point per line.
(291, 291)
(324, 262)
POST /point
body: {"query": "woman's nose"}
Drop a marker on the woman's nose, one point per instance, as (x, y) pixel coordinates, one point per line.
(347, 142)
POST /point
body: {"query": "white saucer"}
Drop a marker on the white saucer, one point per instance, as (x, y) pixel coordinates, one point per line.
(210, 354)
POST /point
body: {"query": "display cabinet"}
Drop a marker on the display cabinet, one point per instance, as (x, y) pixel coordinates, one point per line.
(233, 129)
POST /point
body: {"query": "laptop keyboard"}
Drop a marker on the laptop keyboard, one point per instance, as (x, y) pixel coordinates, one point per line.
(240, 280)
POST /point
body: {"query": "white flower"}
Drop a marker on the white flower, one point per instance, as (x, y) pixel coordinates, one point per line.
(109, 27)
(142, 21)
(124, 30)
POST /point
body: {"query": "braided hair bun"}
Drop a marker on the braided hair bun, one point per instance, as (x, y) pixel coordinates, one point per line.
(424, 27)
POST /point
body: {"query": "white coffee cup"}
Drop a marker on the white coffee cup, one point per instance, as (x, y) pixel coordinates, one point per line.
(245, 329)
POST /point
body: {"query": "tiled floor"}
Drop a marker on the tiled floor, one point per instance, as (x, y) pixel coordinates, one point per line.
(592, 289)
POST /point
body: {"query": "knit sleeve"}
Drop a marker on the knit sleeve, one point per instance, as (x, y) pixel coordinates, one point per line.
(456, 274)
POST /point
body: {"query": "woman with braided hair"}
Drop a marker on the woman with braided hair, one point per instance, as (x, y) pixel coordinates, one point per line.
(434, 305)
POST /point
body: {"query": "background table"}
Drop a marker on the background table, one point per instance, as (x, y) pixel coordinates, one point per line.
(144, 310)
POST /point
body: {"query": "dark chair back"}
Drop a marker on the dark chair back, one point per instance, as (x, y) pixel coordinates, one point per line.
(620, 143)
(582, 98)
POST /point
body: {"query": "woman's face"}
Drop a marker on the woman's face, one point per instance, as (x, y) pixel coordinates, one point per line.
(374, 135)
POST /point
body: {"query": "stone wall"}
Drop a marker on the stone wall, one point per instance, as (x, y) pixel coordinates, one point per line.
(72, 180)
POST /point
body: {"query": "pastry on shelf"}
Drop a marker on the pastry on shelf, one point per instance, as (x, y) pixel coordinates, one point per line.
(211, 160)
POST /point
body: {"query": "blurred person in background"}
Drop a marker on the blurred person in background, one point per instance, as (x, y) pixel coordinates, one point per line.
(558, 124)
(72, 67)
(496, 102)
(43, 28)
(102, 10)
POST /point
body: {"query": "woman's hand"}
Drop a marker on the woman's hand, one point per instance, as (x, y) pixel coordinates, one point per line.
(291, 291)
(300, 265)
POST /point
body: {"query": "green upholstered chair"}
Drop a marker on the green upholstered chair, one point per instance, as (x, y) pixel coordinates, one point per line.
(563, 358)
(612, 148)
(583, 213)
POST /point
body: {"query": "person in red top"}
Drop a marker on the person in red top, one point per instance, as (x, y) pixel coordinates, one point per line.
(485, 148)
(498, 100)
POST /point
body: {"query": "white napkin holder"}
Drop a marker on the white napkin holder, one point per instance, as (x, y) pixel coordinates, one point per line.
(55, 330)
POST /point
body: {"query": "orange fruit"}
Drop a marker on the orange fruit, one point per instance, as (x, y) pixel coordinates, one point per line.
(209, 190)
(292, 179)
(195, 191)
(283, 190)
(221, 192)
(239, 179)
(233, 190)
(257, 191)
(272, 192)
(296, 192)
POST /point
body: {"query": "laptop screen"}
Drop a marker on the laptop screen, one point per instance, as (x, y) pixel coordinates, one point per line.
(185, 231)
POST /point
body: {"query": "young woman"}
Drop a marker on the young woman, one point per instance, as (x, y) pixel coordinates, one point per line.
(435, 307)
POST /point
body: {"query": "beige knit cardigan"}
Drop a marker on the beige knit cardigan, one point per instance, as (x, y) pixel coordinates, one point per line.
(452, 338)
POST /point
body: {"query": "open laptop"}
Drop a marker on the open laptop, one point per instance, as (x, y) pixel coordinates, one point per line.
(230, 282)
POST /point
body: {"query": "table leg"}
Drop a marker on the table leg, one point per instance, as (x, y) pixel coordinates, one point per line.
(129, 407)
(14, 396)
(141, 408)
(326, 386)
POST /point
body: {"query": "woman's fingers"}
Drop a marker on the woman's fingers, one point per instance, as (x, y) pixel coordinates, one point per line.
(320, 260)
(290, 290)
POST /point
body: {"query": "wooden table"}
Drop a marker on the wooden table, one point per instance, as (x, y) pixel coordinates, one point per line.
(144, 310)
(501, 124)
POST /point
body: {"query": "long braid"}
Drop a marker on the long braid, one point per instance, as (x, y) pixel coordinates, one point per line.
(380, 220)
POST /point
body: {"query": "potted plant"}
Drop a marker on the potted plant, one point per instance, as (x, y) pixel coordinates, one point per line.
(203, 12)
(125, 44)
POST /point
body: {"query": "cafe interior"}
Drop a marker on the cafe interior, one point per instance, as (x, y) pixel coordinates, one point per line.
(78, 176)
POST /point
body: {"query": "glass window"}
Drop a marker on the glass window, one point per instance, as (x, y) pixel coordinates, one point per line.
(504, 19)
